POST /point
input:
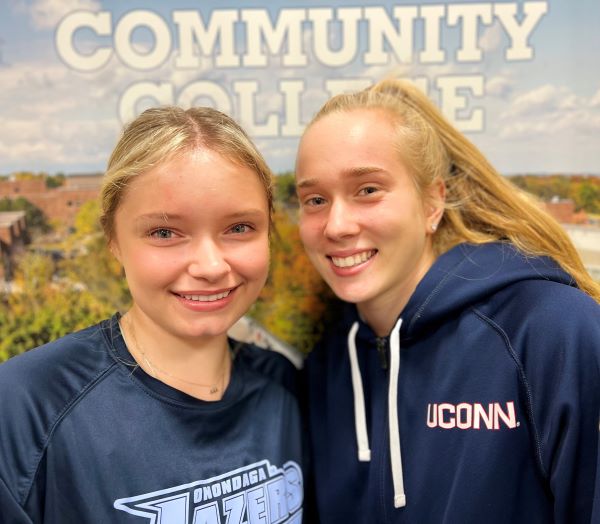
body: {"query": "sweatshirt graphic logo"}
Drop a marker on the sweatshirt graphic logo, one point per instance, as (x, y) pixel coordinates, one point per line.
(472, 416)
(256, 494)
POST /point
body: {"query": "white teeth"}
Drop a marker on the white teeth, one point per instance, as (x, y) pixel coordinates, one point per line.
(207, 298)
(352, 260)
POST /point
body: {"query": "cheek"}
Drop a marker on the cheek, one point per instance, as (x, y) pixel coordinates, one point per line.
(252, 260)
(149, 267)
(310, 228)
(260, 266)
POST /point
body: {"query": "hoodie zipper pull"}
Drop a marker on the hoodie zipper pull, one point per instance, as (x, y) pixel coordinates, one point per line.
(382, 350)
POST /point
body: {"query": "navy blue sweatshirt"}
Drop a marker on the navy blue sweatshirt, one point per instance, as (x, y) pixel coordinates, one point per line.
(482, 405)
(87, 437)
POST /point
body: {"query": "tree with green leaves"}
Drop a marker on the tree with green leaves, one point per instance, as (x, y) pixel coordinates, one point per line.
(54, 297)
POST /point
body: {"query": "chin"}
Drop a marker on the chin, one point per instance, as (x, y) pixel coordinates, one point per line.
(350, 295)
(209, 329)
(206, 333)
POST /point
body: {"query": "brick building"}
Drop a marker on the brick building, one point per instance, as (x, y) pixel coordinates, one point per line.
(584, 234)
(59, 204)
(13, 237)
(563, 210)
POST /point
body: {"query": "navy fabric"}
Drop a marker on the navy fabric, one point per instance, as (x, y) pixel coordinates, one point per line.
(86, 436)
(498, 400)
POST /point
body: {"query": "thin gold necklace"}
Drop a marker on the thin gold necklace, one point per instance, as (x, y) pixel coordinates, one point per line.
(213, 389)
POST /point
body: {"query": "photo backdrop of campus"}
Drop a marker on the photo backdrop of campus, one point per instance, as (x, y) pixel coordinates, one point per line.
(520, 78)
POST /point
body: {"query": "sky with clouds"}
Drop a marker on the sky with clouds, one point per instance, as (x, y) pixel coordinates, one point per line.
(538, 115)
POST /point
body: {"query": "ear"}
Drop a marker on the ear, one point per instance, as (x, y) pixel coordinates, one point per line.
(435, 199)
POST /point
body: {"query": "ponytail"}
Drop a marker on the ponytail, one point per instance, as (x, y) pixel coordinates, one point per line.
(481, 205)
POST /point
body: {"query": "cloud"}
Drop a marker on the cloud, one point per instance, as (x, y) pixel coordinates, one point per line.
(56, 118)
(545, 99)
(595, 100)
(550, 110)
(28, 143)
(53, 117)
(500, 86)
(45, 14)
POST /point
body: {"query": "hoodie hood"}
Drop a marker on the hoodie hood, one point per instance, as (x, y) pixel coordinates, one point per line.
(461, 278)
(458, 280)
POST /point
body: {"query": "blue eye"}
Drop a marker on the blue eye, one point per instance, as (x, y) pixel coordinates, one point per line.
(162, 233)
(240, 228)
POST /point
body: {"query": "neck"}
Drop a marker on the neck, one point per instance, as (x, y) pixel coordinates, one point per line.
(380, 318)
(382, 312)
(199, 367)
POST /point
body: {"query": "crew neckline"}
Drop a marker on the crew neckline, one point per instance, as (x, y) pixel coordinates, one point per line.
(159, 389)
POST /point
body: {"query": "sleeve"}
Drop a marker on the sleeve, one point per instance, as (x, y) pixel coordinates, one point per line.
(563, 377)
(21, 431)
(11, 512)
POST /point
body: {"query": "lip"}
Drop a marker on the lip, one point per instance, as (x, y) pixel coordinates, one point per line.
(356, 267)
(206, 300)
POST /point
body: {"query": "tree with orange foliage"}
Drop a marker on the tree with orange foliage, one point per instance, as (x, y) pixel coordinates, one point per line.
(293, 304)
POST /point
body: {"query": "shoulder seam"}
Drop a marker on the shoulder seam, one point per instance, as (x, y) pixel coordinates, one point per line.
(66, 409)
(525, 384)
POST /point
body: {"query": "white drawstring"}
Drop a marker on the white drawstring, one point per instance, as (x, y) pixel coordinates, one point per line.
(395, 455)
(360, 418)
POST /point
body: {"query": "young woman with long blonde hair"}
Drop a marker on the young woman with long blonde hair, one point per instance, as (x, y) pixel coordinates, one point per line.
(461, 382)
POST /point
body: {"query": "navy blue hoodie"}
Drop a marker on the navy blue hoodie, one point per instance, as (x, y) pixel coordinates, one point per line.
(87, 437)
(482, 405)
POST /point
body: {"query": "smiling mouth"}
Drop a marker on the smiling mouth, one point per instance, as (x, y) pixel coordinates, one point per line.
(353, 260)
(206, 298)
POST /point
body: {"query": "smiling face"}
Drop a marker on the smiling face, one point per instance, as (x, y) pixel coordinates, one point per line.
(364, 224)
(192, 236)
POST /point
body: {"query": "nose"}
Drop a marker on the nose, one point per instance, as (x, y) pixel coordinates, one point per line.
(208, 261)
(341, 221)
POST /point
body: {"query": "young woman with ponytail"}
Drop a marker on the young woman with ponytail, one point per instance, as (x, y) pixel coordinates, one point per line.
(461, 381)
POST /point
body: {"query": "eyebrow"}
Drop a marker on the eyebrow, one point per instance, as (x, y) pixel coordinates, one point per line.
(247, 213)
(166, 217)
(353, 172)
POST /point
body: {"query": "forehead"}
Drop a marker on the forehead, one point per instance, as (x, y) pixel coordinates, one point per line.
(194, 180)
(356, 142)
(204, 166)
(350, 124)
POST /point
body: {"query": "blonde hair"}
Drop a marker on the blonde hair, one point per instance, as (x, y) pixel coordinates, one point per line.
(481, 205)
(161, 133)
